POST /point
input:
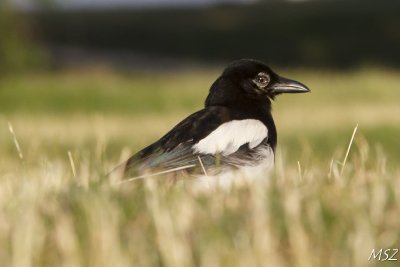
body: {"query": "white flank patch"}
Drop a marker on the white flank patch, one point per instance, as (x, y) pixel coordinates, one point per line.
(244, 175)
(230, 136)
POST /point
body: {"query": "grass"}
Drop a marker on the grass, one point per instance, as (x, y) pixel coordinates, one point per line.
(57, 209)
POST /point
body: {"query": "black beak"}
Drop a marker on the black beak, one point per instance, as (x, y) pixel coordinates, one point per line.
(283, 85)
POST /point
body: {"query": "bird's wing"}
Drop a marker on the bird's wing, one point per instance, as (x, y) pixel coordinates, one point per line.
(175, 149)
(209, 137)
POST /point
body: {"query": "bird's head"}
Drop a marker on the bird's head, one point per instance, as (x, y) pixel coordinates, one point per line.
(250, 79)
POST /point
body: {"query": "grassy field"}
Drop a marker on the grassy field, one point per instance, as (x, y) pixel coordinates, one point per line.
(57, 209)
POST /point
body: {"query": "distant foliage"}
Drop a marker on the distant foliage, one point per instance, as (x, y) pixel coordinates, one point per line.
(17, 51)
(330, 34)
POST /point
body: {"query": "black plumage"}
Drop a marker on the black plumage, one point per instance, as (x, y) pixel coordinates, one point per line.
(242, 94)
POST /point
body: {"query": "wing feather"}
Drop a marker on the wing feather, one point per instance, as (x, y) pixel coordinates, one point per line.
(175, 149)
(198, 136)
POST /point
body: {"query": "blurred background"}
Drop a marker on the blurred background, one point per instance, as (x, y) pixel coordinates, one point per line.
(76, 74)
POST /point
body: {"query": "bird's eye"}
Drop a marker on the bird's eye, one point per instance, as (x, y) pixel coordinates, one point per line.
(262, 80)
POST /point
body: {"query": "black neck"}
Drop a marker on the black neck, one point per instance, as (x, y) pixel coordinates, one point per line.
(243, 106)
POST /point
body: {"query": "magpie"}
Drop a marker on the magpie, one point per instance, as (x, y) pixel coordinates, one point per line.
(235, 129)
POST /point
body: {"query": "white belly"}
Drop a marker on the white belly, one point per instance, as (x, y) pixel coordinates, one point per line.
(236, 177)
